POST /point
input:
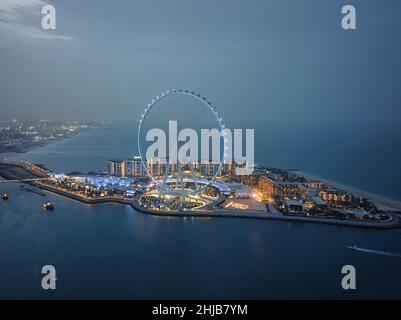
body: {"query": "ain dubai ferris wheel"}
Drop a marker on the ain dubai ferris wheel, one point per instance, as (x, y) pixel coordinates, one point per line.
(179, 185)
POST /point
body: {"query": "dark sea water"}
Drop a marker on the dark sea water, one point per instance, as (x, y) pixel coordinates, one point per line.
(111, 251)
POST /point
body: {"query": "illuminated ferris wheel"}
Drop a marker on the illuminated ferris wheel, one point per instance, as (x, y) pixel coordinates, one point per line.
(179, 187)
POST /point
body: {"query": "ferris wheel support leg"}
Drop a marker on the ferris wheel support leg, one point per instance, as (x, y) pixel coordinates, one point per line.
(181, 183)
(191, 168)
(161, 195)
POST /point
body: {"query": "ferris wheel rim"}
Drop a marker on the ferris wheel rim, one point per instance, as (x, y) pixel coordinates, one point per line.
(205, 103)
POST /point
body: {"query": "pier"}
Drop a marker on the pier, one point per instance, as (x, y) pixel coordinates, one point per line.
(17, 171)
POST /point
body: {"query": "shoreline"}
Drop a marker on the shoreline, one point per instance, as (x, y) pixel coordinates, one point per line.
(382, 202)
(30, 148)
(17, 171)
(394, 223)
(80, 198)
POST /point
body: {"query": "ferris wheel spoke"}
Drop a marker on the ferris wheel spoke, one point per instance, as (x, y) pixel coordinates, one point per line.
(191, 169)
(165, 185)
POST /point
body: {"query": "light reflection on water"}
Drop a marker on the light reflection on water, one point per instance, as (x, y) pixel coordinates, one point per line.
(111, 251)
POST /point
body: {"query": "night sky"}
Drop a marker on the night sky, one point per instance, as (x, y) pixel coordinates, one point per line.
(260, 62)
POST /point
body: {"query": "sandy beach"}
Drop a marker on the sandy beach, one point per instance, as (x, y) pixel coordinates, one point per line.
(381, 202)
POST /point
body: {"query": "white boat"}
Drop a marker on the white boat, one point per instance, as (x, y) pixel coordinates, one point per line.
(48, 206)
(354, 247)
(380, 252)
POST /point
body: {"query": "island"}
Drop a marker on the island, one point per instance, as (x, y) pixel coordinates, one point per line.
(268, 193)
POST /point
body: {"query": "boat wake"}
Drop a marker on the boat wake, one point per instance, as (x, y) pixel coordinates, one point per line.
(379, 252)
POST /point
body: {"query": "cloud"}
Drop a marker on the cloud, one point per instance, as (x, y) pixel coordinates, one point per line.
(20, 20)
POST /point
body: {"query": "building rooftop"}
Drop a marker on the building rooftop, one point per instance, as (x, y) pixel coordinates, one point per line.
(293, 202)
(318, 201)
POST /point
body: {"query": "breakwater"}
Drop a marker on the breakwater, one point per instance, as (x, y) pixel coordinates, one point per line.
(393, 223)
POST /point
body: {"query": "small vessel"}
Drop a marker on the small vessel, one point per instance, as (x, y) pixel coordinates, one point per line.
(380, 252)
(48, 205)
(4, 196)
